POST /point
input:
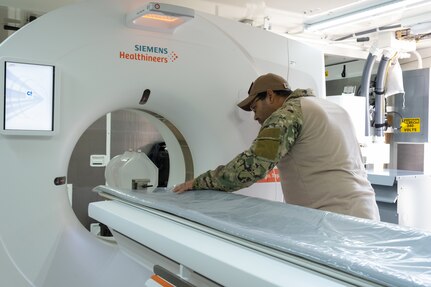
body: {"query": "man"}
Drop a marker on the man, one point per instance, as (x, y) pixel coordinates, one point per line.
(313, 143)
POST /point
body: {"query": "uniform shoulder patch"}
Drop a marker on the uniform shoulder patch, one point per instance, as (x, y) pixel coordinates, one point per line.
(268, 143)
(269, 132)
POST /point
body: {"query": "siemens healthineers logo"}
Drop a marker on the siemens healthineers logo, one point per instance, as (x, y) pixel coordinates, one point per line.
(150, 54)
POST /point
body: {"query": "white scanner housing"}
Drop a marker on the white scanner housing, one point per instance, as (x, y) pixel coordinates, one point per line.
(196, 74)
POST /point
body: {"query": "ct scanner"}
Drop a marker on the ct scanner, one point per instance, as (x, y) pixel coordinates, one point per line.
(187, 79)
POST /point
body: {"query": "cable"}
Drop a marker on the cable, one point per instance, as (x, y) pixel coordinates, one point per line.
(398, 114)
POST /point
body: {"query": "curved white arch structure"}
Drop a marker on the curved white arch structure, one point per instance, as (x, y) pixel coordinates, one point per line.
(195, 77)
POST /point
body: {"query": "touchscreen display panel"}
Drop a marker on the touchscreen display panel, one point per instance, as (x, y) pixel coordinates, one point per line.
(28, 97)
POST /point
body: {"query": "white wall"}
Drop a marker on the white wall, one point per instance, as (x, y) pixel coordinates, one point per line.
(353, 69)
(412, 62)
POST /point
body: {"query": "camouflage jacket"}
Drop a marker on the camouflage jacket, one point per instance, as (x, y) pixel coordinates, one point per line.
(276, 137)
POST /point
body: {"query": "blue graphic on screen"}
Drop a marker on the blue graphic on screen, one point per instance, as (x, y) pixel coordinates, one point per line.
(29, 91)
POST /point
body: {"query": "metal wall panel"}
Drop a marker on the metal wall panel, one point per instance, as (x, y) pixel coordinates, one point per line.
(415, 104)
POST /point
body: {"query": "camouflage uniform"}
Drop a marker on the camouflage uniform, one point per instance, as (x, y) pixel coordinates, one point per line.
(276, 137)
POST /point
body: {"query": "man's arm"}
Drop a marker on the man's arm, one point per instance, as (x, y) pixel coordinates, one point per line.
(274, 140)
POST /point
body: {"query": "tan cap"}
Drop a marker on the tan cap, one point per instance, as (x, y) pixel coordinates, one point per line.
(262, 84)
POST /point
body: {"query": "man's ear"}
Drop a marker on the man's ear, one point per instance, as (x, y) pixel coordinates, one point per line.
(271, 95)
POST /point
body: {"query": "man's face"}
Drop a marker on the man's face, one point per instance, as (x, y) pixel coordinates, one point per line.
(261, 108)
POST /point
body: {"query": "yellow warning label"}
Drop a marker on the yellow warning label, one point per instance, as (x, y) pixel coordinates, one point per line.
(411, 125)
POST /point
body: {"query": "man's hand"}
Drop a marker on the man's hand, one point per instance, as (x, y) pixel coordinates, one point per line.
(188, 185)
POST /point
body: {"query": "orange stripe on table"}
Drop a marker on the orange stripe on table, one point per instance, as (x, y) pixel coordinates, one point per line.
(161, 281)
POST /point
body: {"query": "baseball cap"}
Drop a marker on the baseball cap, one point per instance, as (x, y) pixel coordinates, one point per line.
(262, 84)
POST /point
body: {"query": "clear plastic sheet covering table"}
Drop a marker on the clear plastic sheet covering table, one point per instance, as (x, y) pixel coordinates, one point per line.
(387, 254)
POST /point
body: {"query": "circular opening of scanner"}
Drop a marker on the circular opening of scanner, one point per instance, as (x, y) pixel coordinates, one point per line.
(133, 136)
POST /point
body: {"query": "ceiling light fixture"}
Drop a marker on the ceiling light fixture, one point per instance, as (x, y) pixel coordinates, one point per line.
(420, 24)
(159, 17)
(334, 19)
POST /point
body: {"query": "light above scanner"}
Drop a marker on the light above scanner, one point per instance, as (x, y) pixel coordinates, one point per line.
(159, 17)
